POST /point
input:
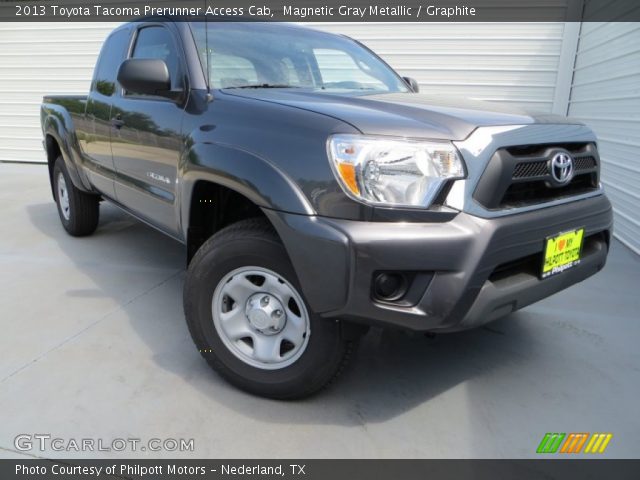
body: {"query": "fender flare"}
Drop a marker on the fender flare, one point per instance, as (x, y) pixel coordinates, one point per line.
(64, 136)
(250, 175)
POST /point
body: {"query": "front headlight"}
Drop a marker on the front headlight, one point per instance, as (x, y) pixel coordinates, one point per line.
(393, 172)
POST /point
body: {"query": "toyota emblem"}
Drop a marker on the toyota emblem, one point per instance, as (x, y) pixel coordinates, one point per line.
(562, 168)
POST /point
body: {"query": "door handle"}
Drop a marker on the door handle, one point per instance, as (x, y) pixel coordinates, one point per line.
(117, 122)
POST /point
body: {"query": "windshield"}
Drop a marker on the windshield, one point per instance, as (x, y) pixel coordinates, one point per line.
(258, 55)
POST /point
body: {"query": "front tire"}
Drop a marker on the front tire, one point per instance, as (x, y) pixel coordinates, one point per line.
(249, 320)
(79, 211)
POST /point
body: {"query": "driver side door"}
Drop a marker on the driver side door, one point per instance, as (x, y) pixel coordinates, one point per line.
(146, 139)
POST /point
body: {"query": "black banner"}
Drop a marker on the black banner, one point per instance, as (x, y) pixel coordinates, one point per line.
(325, 11)
(321, 469)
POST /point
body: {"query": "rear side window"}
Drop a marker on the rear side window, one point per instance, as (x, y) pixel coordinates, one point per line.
(112, 54)
(157, 42)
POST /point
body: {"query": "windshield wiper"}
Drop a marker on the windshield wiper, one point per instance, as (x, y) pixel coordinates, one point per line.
(265, 85)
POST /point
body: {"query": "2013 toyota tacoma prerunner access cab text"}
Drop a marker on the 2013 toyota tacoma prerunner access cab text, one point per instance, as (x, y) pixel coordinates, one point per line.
(318, 193)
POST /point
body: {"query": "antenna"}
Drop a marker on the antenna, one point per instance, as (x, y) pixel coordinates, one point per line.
(206, 52)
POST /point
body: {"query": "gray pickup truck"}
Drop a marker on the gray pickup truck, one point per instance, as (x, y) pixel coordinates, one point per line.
(319, 193)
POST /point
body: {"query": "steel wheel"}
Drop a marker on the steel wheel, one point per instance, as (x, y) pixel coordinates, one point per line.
(63, 197)
(260, 317)
(249, 320)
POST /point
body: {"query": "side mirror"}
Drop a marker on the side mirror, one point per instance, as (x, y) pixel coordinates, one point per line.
(145, 76)
(413, 85)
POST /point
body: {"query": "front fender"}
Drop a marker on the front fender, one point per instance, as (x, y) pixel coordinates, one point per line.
(245, 172)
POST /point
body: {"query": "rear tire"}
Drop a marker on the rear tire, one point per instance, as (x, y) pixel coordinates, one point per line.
(79, 211)
(249, 320)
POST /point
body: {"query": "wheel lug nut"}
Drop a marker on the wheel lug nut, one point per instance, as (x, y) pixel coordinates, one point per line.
(278, 313)
(264, 301)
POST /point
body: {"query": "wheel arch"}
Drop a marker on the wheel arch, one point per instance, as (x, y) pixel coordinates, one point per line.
(221, 183)
(213, 206)
(57, 143)
(53, 151)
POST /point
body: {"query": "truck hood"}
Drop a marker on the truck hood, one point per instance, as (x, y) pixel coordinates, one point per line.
(403, 114)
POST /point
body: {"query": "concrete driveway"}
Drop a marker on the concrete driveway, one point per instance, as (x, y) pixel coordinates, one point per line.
(94, 345)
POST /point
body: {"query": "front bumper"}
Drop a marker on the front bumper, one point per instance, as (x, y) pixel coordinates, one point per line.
(479, 269)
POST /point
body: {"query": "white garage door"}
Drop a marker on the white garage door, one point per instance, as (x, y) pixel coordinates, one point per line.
(606, 95)
(512, 63)
(38, 59)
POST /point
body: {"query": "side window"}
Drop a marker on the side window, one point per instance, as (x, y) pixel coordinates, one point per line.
(104, 79)
(157, 42)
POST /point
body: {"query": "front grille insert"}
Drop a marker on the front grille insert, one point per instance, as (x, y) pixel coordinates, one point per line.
(540, 168)
(531, 169)
(526, 193)
(585, 163)
(520, 176)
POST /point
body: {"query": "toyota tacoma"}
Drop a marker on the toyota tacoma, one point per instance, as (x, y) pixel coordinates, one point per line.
(318, 193)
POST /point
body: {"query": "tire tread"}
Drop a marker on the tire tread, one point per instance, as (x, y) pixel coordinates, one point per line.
(85, 207)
